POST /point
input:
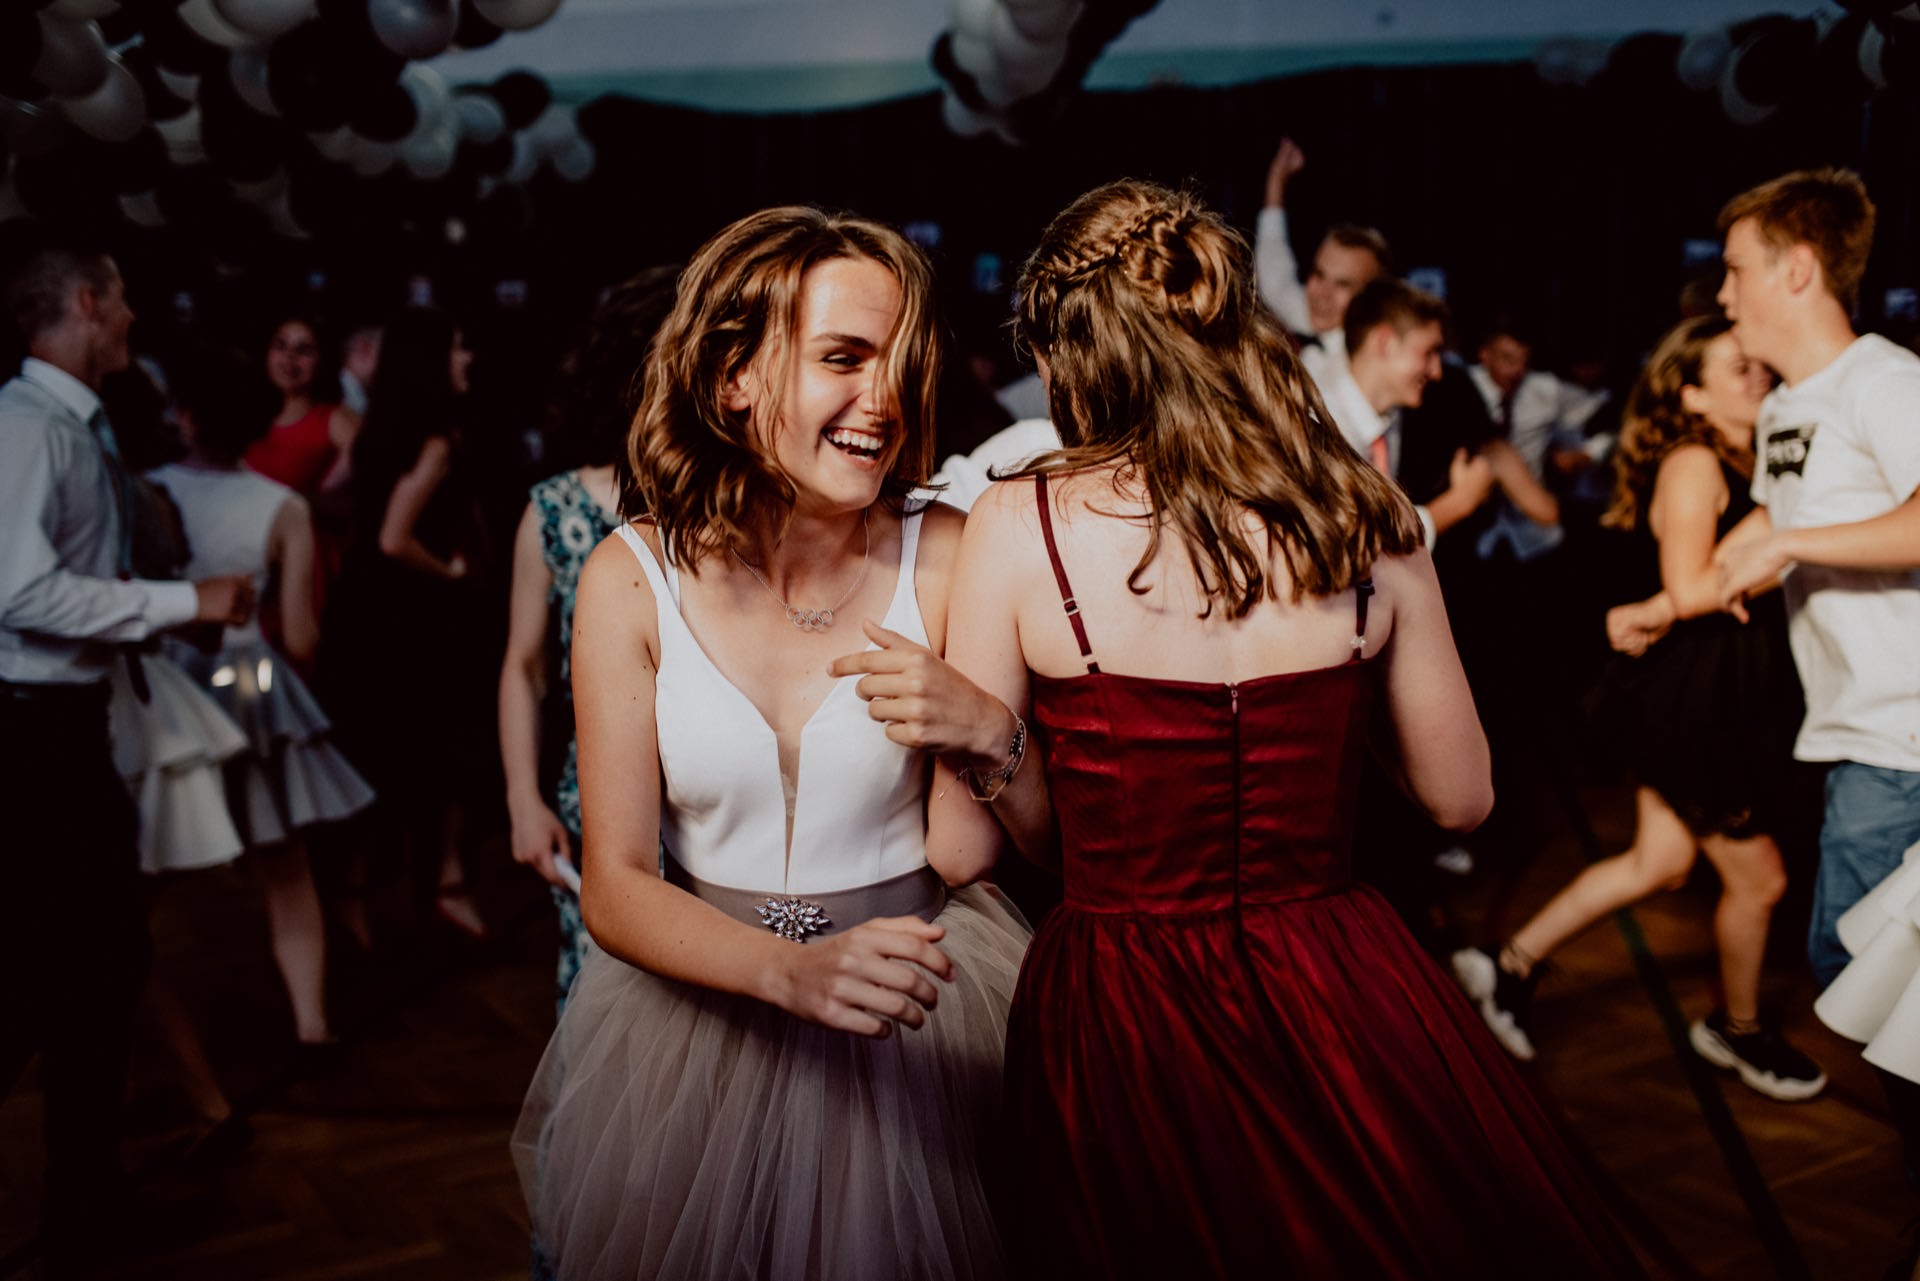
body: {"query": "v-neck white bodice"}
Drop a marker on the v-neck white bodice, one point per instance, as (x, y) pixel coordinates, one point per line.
(859, 814)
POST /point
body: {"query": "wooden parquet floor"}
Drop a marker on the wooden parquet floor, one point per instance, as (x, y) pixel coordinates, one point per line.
(393, 1163)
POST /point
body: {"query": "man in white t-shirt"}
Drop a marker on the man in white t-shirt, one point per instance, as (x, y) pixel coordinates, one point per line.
(1837, 477)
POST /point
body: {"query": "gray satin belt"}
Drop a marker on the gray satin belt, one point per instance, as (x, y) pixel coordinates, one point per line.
(798, 917)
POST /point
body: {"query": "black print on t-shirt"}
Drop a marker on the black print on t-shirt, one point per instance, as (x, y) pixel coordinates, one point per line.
(1787, 450)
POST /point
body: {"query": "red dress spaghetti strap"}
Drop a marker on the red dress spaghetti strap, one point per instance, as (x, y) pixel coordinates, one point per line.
(1226, 1059)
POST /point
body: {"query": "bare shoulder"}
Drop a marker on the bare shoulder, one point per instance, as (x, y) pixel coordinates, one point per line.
(1007, 511)
(613, 578)
(941, 525)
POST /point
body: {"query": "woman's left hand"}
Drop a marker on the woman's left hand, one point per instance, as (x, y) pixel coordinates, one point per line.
(924, 702)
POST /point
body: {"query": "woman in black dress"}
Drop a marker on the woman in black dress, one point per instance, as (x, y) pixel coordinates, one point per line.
(1705, 718)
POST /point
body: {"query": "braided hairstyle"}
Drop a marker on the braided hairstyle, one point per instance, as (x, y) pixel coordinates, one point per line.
(1142, 302)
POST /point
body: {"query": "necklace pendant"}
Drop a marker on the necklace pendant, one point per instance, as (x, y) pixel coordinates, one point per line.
(810, 620)
(792, 919)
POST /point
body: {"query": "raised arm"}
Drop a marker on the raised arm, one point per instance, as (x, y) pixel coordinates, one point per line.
(290, 549)
(857, 981)
(1275, 269)
(1517, 481)
(1439, 750)
(538, 835)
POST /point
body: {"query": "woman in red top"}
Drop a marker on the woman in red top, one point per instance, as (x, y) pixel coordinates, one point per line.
(309, 446)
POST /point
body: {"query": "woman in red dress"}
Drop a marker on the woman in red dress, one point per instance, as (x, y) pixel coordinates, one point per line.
(1224, 1058)
(309, 446)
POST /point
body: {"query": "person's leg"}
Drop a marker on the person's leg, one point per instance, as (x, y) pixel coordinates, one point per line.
(1752, 879)
(299, 934)
(452, 900)
(170, 1026)
(1659, 858)
(1873, 816)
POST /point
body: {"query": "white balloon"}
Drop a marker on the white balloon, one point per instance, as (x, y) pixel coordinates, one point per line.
(962, 119)
(81, 10)
(179, 83)
(1571, 61)
(515, 15)
(1872, 56)
(481, 119)
(526, 159)
(280, 217)
(430, 155)
(264, 19)
(1044, 20)
(974, 17)
(1702, 57)
(1028, 66)
(247, 69)
(371, 159)
(143, 209)
(206, 22)
(115, 111)
(972, 54)
(73, 58)
(335, 145)
(575, 161)
(431, 97)
(413, 28)
(553, 129)
(264, 192)
(182, 136)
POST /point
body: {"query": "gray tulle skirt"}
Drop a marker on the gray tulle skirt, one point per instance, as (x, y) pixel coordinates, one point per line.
(675, 1131)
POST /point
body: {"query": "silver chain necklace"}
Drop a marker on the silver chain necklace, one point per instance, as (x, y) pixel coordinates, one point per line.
(817, 620)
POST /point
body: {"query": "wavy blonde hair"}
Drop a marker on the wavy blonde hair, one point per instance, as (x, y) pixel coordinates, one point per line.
(1655, 423)
(1142, 301)
(693, 465)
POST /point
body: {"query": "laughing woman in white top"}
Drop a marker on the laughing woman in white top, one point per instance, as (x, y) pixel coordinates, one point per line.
(785, 1060)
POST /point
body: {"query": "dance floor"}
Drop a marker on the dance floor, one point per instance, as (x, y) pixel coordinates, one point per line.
(392, 1161)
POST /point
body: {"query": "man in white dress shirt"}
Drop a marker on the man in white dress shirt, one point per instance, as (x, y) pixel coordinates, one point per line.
(1348, 260)
(72, 927)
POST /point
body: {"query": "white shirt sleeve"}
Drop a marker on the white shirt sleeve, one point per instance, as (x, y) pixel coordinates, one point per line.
(1428, 530)
(1277, 271)
(37, 595)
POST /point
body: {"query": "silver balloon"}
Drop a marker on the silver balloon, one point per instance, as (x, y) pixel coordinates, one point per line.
(973, 17)
(413, 28)
(552, 130)
(1571, 61)
(280, 218)
(1028, 66)
(1043, 20)
(481, 119)
(1702, 57)
(964, 120)
(515, 15)
(206, 22)
(1872, 56)
(263, 193)
(576, 160)
(73, 58)
(337, 145)
(81, 10)
(247, 69)
(432, 103)
(371, 159)
(143, 210)
(115, 111)
(264, 19)
(179, 83)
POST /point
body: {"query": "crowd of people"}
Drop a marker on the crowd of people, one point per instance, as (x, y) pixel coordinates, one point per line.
(1277, 591)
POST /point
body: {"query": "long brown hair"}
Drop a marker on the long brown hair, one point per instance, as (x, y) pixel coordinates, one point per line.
(696, 469)
(1655, 423)
(1141, 300)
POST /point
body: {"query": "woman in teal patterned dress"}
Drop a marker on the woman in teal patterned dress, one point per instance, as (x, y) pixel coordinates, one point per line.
(566, 517)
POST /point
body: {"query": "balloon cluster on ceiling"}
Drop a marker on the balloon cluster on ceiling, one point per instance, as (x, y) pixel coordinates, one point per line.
(173, 107)
(1011, 65)
(1759, 66)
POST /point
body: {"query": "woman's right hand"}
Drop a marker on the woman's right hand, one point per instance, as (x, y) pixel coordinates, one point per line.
(538, 838)
(865, 980)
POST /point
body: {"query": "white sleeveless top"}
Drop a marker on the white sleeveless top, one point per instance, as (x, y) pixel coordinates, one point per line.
(859, 807)
(228, 516)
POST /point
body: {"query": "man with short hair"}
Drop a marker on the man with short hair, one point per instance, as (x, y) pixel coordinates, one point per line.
(1349, 258)
(72, 927)
(1394, 334)
(1837, 480)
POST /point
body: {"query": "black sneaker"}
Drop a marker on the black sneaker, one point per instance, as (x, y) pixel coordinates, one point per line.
(1505, 1000)
(1764, 1059)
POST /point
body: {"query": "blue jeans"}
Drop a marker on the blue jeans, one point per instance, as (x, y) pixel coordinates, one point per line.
(1873, 815)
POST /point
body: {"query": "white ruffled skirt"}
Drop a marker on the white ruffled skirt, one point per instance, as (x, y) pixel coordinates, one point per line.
(171, 751)
(675, 1131)
(1876, 999)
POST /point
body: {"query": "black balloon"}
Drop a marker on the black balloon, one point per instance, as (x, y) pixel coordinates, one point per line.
(133, 18)
(303, 82)
(474, 31)
(1774, 61)
(384, 114)
(482, 159)
(162, 102)
(19, 50)
(177, 47)
(137, 164)
(523, 96)
(241, 143)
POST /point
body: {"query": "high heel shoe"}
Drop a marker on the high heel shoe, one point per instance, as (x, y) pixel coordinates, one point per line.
(468, 924)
